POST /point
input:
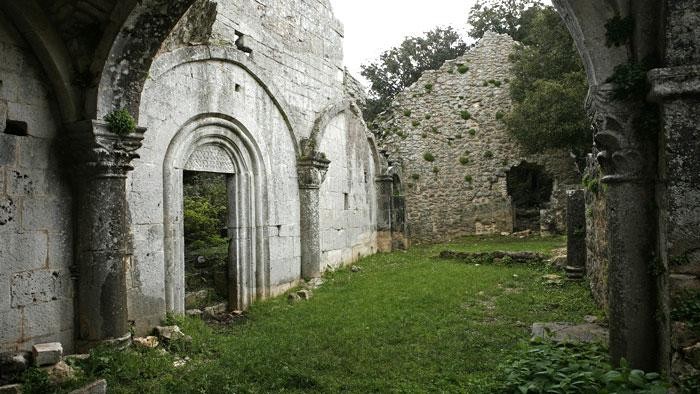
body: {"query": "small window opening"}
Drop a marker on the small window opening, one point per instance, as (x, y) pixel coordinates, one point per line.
(238, 87)
(15, 127)
(347, 201)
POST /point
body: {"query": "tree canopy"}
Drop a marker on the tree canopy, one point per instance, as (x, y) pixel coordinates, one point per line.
(510, 17)
(401, 66)
(549, 88)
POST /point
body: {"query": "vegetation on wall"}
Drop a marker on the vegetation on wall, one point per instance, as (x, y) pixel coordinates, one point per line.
(401, 66)
(510, 17)
(121, 122)
(549, 89)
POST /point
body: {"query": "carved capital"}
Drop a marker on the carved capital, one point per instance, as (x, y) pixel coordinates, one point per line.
(618, 145)
(674, 82)
(99, 152)
(312, 172)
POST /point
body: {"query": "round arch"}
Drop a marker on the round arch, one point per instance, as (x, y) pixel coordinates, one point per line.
(249, 265)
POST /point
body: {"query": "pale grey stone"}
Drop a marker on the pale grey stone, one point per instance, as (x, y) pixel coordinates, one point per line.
(47, 353)
(97, 387)
(563, 332)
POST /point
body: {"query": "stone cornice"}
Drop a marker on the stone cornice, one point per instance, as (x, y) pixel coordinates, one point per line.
(674, 81)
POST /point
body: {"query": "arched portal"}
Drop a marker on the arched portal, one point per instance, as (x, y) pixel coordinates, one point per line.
(530, 190)
(218, 144)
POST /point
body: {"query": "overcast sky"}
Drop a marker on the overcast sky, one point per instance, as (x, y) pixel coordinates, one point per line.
(373, 26)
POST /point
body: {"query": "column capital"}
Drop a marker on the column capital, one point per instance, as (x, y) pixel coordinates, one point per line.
(615, 136)
(99, 152)
(673, 82)
(312, 171)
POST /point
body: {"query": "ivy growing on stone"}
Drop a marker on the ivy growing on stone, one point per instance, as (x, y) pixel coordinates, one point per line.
(500, 115)
(121, 122)
(629, 80)
(618, 30)
(436, 170)
(415, 177)
(465, 115)
(464, 160)
(463, 69)
(429, 157)
(415, 123)
(468, 179)
(429, 87)
(472, 132)
(488, 154)
(407, 112)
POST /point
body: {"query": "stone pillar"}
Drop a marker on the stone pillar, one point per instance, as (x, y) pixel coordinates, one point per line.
(311, 172)
(576, 234)
(101, 162)
(676, 87)
(384, 200)
(627, 160)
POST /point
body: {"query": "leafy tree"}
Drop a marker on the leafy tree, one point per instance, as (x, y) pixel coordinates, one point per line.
(549, 89)
(401, 66)
(510, 17)
(205, 209)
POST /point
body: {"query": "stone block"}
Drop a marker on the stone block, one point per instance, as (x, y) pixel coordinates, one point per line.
(26, 182)
(47, 353)
(10, 326)
(8, 150)
(3, 118)
(34, 287)
(11, 389)
(23, 252)
(48, 319)
(97, 387)
(9, 215)
(14, 363)
(563, 332)
(46, 213)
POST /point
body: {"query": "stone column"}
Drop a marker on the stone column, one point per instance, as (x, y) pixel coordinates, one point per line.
(676, 88)
(627, 161)
(576, 234)
(384, 199)
(311, 172)
(101, 162)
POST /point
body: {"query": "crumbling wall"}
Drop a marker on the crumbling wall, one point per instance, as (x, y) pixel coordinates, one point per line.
(447, 133)
(36, 290)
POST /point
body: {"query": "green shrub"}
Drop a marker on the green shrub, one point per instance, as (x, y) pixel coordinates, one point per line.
(486, 83)
(434, 129)
(121, 122)
(468, 178)
(415, 177)
(436, 170)
(488, 154)
(407, 112)
(472, 132)
(463, 69)
(428, 116)
(424, 135)
(548, 367)
(465, 115)
(464, 160)
(500, 115)
(428, 157)
(415, 123)
(429, 87)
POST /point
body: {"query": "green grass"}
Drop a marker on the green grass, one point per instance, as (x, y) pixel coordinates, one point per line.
(407, 322)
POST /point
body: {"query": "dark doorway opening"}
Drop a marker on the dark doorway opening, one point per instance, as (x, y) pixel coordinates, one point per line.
(206, 218)
(530, 189)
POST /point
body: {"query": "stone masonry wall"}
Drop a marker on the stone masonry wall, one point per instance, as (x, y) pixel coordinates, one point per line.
(446, 131)
(36, 291)
(255, 60)
(348, 196)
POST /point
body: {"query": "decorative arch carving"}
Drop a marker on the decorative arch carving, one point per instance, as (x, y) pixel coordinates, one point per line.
(249, 263)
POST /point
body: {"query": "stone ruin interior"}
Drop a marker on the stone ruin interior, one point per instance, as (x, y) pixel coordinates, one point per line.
(93, 237)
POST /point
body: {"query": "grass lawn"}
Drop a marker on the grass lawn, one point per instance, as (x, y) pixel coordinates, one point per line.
(407, 322)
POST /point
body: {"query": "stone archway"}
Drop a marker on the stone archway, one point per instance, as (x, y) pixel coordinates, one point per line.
(219, 144)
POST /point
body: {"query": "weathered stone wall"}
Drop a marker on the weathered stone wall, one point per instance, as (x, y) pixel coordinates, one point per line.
(297, 42)
(454, 114)
(36, 290)
(271, 68)
(348, 195)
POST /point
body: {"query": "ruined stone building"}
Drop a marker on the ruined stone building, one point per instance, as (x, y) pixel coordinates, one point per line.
(91, 213)
(91, 222)
(461, 171)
